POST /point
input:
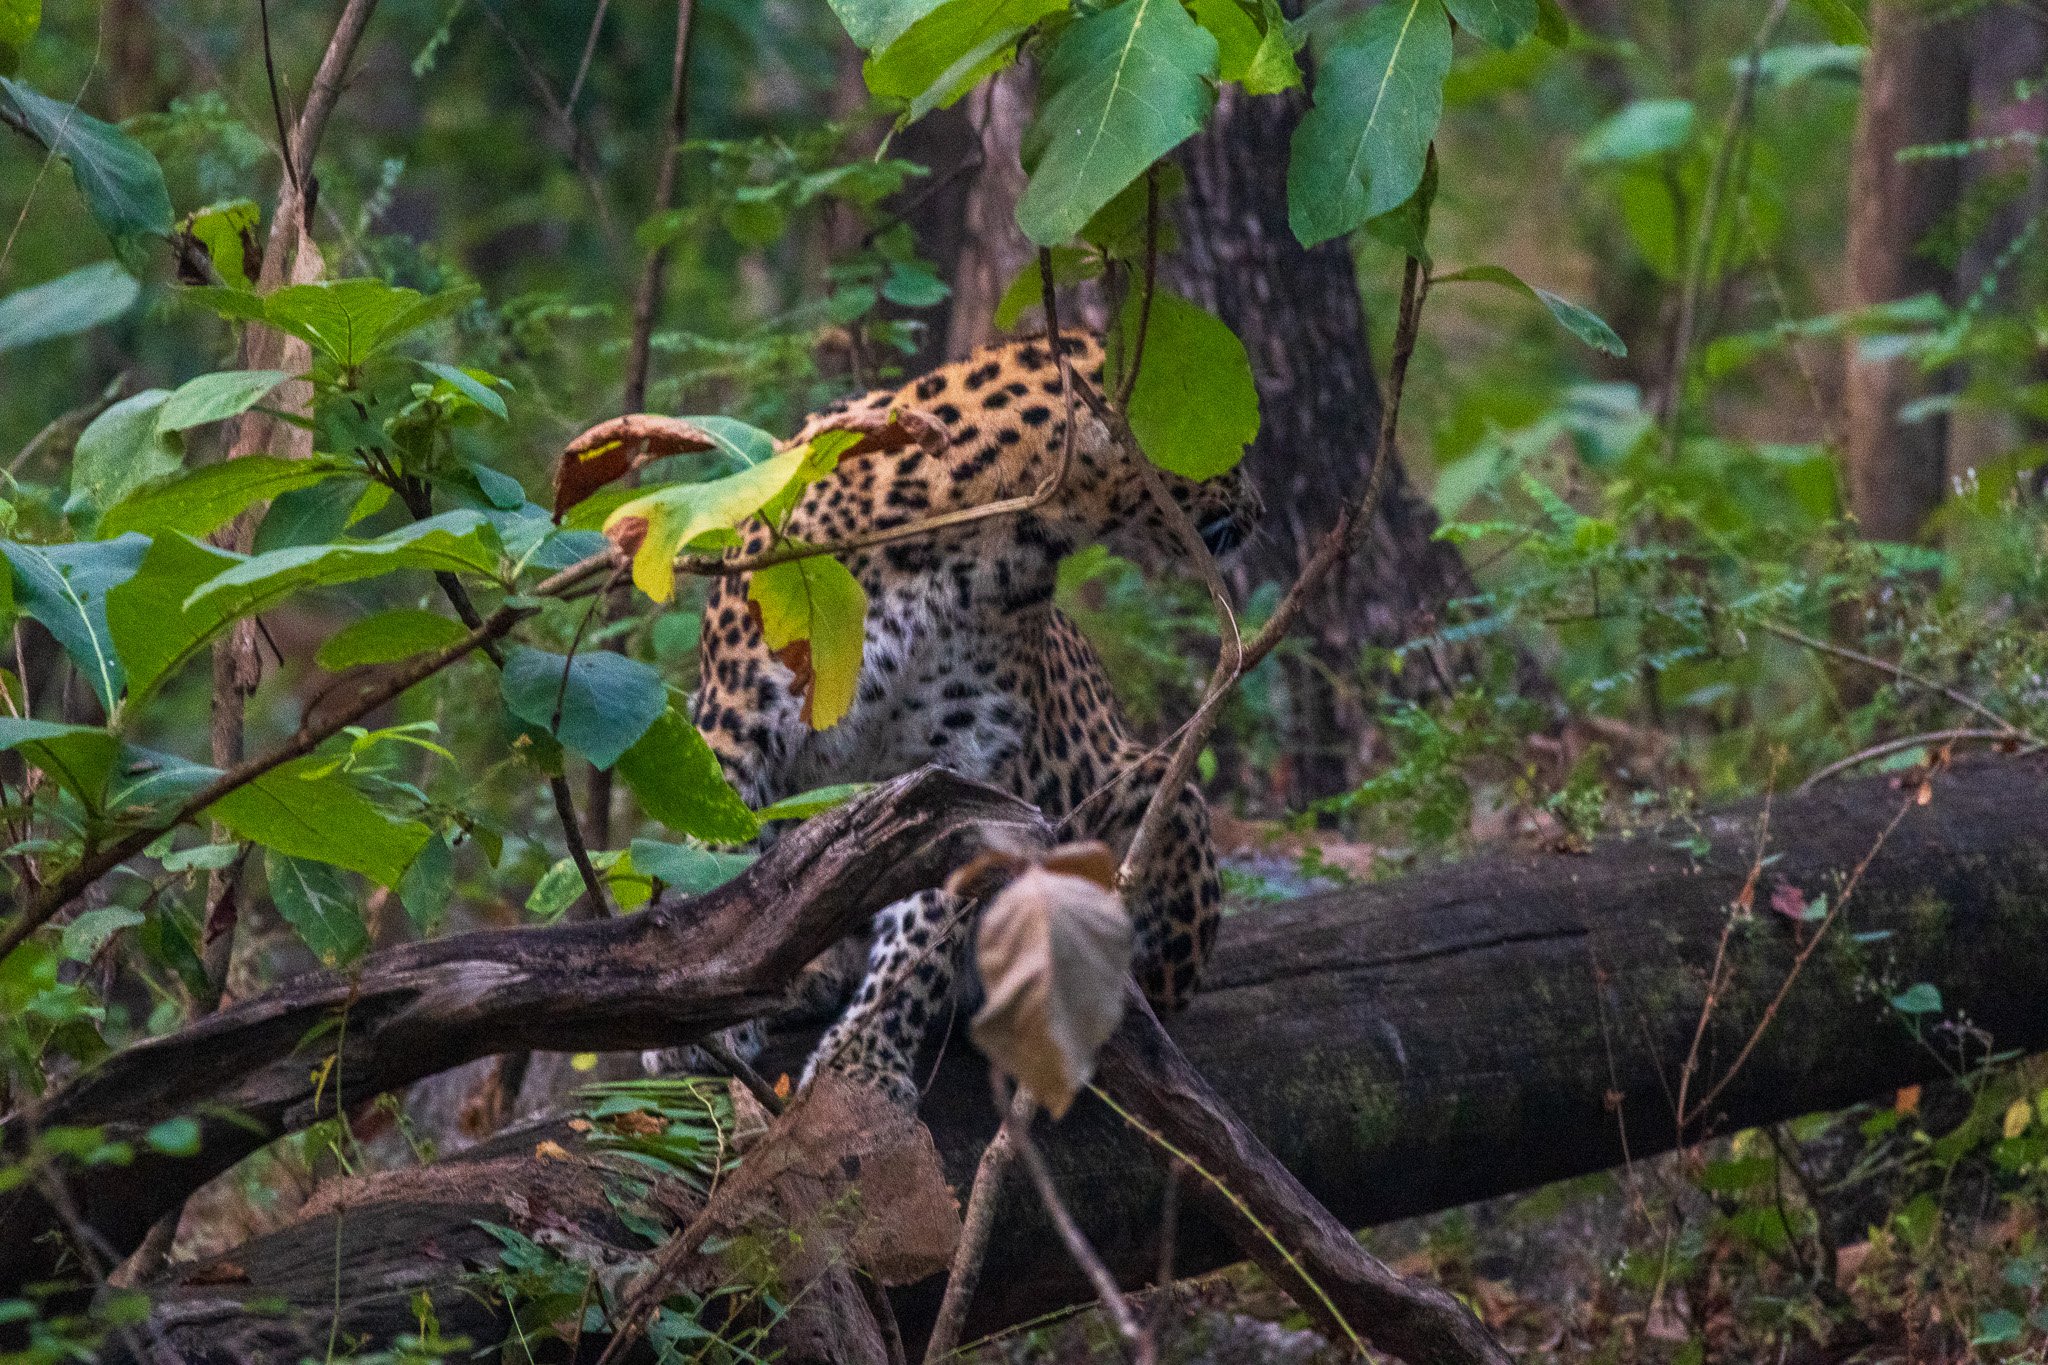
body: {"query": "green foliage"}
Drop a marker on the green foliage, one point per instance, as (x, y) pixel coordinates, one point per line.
(1194, 408)
(1126, 86)
(88, 297)
(121, 183)
(1360, 151)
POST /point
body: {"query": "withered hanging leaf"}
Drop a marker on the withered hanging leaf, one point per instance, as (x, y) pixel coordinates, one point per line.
(893, 429)
(1054, 950)
(615, 448)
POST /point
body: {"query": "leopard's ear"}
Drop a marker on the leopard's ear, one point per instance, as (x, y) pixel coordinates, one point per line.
(887, 430)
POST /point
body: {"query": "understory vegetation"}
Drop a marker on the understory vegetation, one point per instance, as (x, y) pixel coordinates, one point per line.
(319, 644)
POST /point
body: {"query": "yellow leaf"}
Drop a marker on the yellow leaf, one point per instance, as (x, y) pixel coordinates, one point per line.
(1054, 952)
(583, 1061)
(551, 1150)
(2018, 1116)
(814, 616)
(655, 527)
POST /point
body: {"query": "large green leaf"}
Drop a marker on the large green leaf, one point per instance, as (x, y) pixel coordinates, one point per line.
(301, 809)
(1127, 86)
(316, 901)
(79, 758)
(65, 588)
(153, 629)
(1500, 22)
(678, 781)
(1582, 323)
(1252, 44)
(598, 703)
(678, 514)
(462, 541)
(941, 56)
(70, 304)
(388, 637)
(348, 321)
(1194, 408)
(1644, 129)
(1379, 94)
(121, 183)
(874, 24)
(200, 501)
(685, 868)
(813, 614)
(1839, 21)
(216, 397)
(123, 449)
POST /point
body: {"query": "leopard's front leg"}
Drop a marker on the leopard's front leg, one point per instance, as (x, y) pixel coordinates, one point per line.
(1175, 897)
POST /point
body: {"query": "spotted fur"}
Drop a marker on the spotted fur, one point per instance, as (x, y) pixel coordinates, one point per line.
(969, 665)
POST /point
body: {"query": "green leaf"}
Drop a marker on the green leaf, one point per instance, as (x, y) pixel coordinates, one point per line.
(388, 637)
(119, 180)
(19, 20)
(65, 588)
(1272, 67)
(1998, 1327)
(1194, 408)
(1582, 323)
(1838, 21)
(462, 541)
(1553, 25)
(70, 304)
(152, 629)
(947, 51)
(123, 449)
(348, 321)
(1070, 265)
(1127, 86)
(471, 385)
(1919, 998)
(679, 513)
(597, 703)
(200, 501)
(1379, 93)
(912, 285)
(293, 809)
(1644, 129)
(1500, 22)
(874, 24)
(216, 397)
(1406, 228)
(174, 1137)
(78, 758)
(1235, 31)
(317, 513)
(814, 616)
(557, 889)
(677, 780)
(227, 231)
(316, 901)
(804, 805)
(428, 885)
(90, 931)
(690, 870)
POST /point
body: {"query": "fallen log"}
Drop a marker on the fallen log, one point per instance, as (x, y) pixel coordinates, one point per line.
(666, 976)
(1524, 1018)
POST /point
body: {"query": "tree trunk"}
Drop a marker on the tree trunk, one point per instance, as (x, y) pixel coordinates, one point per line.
(1299, 315)
(1488, 1027)
(1915, 91)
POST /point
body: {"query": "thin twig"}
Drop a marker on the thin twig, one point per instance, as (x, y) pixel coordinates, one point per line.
(284, 137)
(1698, 262)
(1799, 964)
(1903, 743)
(1113, 1302)
(1336, 544)
(964, 1276)
(589, 51)
(647, 295)
(1886, 666)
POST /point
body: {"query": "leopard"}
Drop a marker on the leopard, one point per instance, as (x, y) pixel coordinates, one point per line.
(968, 664)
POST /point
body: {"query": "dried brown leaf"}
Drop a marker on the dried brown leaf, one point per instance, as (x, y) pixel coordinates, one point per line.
(893, 429)
(1054, 950)
(615, 448)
